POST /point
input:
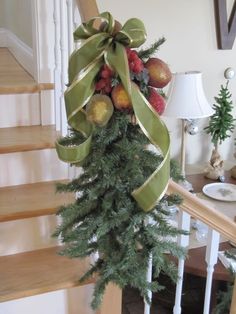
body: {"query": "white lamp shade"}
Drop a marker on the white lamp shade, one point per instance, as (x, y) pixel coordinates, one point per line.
(186, 97)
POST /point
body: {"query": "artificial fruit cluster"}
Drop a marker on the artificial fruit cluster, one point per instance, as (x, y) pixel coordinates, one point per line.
(150, 74)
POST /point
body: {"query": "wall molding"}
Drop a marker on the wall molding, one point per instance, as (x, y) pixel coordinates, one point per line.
(22, 52)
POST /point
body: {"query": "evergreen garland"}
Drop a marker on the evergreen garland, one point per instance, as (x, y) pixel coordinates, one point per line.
(106, 219)
(221, 123)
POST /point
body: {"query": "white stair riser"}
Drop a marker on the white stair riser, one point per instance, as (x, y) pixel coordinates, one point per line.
(19, 110)
(70, 301)
(27, 234)
(30, 167)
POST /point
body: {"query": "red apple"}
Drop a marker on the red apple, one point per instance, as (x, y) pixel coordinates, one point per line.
(156, 100)
(159, 72)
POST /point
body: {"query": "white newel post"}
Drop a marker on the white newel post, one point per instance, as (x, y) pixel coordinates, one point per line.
(211, 259)
(183, 240)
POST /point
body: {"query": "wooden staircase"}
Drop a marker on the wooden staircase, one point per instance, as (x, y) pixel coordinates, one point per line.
(30, 272)
(38, 271)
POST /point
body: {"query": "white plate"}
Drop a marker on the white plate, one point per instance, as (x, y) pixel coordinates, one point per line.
(221, 191)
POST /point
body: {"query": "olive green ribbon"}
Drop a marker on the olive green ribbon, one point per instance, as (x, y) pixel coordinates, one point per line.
(106, 45)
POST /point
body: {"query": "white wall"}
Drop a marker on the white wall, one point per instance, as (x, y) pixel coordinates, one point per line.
(189, 27)
(2, 16)
(16, 16)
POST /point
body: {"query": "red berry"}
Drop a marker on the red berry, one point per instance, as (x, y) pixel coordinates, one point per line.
(105, 74)
(100, 84)
(156, 100)
(106, 71)
(107, 88)
(138, 66)
(133, 56)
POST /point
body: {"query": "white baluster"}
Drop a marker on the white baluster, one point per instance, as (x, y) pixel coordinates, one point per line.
(57, 69)
(76, 16)
(70, 26)
(147, 306)
(72, 171)
(64, 64)
(76, 20)
(211, 259)
(183, 240)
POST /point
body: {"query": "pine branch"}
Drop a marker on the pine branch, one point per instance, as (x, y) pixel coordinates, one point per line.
(147, 53)
(175, 171)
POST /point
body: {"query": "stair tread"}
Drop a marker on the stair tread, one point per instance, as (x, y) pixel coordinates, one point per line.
(27, 138)
(14, 79)
(31, 200)
(40, 271)
(28, 88)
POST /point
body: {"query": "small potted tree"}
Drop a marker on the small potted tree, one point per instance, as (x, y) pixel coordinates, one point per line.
(221, 125)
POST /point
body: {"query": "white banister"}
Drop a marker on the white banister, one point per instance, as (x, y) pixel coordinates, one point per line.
(70, 27)
(183, 240)
(64, 63)
(57, 69)
(76, 15)
(211, 259)
(147, 306)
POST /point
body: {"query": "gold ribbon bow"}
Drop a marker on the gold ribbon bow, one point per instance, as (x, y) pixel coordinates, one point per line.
(84, 64)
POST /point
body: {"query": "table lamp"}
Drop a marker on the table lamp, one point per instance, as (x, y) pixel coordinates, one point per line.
(186, 100)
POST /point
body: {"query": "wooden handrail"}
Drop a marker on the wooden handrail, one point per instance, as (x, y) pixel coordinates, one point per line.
(199, 210)
(87, 9)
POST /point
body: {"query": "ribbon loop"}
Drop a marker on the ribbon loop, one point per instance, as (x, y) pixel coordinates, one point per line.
(132, 34)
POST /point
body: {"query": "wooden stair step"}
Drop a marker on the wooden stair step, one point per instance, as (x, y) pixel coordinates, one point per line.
(27, 138)
(40, 271)
(20, 88)
(31, 200)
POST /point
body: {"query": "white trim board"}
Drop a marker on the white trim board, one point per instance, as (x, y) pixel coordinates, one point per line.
(22, 52)
(3, 40)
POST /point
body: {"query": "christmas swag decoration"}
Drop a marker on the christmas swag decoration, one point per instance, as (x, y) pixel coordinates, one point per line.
(84, 66)
(113, 106)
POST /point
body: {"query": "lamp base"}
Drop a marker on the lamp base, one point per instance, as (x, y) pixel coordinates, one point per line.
(186, 185)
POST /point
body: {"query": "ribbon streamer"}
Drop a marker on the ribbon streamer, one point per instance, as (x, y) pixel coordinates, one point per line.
(106, 46)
